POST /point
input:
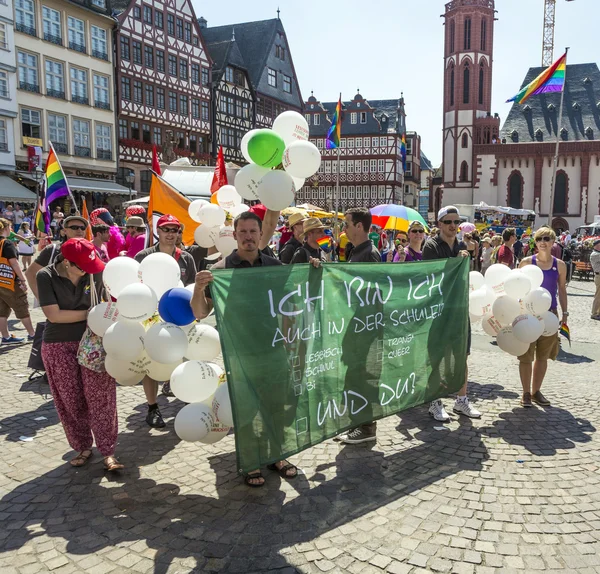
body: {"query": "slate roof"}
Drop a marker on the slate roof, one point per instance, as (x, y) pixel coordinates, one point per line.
(224, 54)
(581, 109)
(425, 163)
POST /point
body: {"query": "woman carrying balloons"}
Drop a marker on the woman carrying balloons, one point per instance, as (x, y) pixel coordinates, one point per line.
(86, 400)
(534, 363)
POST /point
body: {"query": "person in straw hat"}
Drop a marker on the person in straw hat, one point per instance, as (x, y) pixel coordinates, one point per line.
(295, 224)
(312, 231)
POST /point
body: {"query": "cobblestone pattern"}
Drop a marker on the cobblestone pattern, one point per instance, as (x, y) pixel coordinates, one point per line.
(516, 491)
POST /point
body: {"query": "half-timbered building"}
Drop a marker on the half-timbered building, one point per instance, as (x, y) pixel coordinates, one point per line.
(370, 167)
(163, 86)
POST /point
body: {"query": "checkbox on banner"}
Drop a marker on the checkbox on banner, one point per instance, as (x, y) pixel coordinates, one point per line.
(301, 426)
(295, 361)
(297, 390)
(379, 357)
(297, 376)
(380, 345)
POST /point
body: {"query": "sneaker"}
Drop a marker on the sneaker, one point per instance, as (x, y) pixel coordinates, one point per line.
(437, 411)
(526, 400)
(359, 435)
(12, 340)
(30, 338)
(464, 407)
(154, 418)
(540, 399)
(166, 390)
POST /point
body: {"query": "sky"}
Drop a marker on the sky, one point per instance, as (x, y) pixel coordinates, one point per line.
(386, 47)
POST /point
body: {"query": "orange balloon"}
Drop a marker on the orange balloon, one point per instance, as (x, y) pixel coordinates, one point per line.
(213, 199)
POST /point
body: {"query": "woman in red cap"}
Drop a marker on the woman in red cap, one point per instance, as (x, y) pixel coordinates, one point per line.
(86, 400)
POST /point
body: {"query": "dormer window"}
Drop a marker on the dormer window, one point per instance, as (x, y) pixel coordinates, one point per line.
(363, 117)
(576, 107)
(539, 135)
(526, 109)
(514, 136)
(589, 133)
(587, 81)
(317, 120)
(564, 134)
(551, 107)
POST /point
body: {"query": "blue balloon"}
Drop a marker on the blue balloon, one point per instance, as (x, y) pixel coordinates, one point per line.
(175, 307)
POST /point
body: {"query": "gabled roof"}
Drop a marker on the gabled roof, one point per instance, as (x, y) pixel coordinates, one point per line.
(425, 163)
(224, 54)
(537, 119)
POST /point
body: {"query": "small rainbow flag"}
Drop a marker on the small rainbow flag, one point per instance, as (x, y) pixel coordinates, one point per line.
(565, 332)
(56, 182)
(335, 131)
(324, 242)
(552, 79)
(403, 151)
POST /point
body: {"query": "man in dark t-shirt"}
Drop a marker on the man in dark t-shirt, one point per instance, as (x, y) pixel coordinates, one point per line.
(312, 230)
(296, 225)
(443, 246)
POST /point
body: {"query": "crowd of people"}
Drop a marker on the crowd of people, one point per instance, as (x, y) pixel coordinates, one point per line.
(65, 279)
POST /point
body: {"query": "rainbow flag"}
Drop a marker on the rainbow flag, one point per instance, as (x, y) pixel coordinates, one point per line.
(42, 217)
(552, 79)
(56, 182)
(565, 332)
(335, 131)
(403, 151)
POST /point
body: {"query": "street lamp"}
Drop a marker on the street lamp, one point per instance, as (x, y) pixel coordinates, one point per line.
(130, 178)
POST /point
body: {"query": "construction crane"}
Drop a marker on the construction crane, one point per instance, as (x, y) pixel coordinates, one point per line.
(548, 41)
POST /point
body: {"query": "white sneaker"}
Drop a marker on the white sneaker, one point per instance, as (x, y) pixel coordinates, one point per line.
(436, 410)
(464, 407)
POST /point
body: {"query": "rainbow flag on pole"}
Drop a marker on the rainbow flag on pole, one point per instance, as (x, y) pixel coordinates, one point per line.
(56, 182)
(403, 151)
(335, 131)
(552, 79)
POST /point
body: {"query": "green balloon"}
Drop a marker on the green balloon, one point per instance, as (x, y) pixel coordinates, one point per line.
(266, 148)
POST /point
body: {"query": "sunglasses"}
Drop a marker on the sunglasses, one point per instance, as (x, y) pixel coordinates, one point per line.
(77, 227)
(417, 231)
(451, 221)
(545, 238)
(169, 229)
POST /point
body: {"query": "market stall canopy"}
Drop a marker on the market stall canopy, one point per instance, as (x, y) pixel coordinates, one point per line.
(97, 186)
(482, 206)
(10, 190)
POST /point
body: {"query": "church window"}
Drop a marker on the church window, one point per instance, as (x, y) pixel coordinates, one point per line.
(560, 193)
(464, 171)
(466, 83)
(465, 140)
(483, 34)
(481, 84)
(467, 42)
(515, 190)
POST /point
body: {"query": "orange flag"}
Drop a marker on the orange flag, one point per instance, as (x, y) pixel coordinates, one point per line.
(165, 199)
(85, 214)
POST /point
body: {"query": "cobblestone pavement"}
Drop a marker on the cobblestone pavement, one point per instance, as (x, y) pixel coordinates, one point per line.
(516, 491)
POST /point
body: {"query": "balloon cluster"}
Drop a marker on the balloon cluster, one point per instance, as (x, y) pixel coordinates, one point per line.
(151, 330)
(512, 306)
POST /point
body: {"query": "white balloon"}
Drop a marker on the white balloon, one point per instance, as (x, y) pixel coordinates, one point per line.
(490, 324)
(247, 180)
(188, 328)
(137, 302)
(225, 241)
(476, 280)
(194, 422)
(298, 182)
(538, 301)
(203, 343)
(228, 197)
(276, 190)
(211, 215)
(166, 343)
(291, 126)
(535, 274)
(120, 272)
(244, 147)
(241, 208)
(510, 344)
(160, 272)
(474, 318)
(301, 159)
(517, 284)
(495, 276)
(218, 431)
(161, 371)
(127, 370)
(551, 323)
(528, 328)
(203, 237)
(505, 310)
(221, 405)
(124, 340)
(194, 381)
(102, 316)
(480, 301)
(130, 381)
(194, 208)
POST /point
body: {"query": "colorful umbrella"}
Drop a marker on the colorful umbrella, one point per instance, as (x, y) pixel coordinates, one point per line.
(467, 227)
(396, 217)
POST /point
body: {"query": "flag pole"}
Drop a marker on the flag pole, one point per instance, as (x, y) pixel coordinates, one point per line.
(66, 180)
(558, 128)
(336, 201)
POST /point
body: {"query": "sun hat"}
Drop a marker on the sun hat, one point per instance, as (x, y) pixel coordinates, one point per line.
(68, 220)
(295, 218)
(311, 224)
(135, 221)
(82, 253)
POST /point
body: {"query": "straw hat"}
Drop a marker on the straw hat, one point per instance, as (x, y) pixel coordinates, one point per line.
(311, 224)
(295, 218)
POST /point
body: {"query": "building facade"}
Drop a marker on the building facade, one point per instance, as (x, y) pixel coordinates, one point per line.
(412, 175)
(8, 87)
(163, 87)
(370, 167)
(254, 80)
(65, 87)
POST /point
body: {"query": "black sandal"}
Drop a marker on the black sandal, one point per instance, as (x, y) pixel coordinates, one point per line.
(282, 470)
(253, 476)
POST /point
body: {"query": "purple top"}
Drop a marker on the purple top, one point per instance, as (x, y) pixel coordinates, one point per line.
(550, 282)
(411, 255)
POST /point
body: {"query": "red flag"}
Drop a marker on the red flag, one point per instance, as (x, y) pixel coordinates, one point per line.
(220, 175)
(155, 164)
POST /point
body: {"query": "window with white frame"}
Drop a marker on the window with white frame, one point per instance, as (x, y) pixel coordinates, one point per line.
(343, 142)
(101, 91)
(358, 192)
(287, 84)
(3, 136)
(367, 142)
(31, 125)
(373, 165)
(383, 142)
(327, 166)
(408, 169)
(350, 142)
(57, 129)
(315, 194)
(358, 142)
(99, 45)
(344, 192)
(381, 165)
(320, 143)
(52, 26)
(317, 120)
(351, 192)
(334, 167)
(99, 3)
(79, 86)
(357, 166)
(3, 84)
(365, 166)
(25, 14)
(375, 142)
(55, 78)
(373, 192)
(353, 117)
(350, 166)
(76, 33)
(409, 146)
(28, 69)
(321, 193)
(103, 137)
(272, 77)
(363, 117)
(343, 166)
(382, 192)
(307, 118)
(81, 134)
(3, 43)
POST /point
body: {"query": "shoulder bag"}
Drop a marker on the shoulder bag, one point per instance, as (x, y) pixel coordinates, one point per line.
(91, 353)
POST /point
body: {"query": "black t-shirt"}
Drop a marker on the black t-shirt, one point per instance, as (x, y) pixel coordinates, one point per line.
(366, 252)
(198, 254)
(288, 250)
(437, 248)
(47, 255)
(305, 252)
(185, 261)
(56, 290)
(9, 250)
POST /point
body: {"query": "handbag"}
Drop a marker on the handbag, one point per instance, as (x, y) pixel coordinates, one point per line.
(91, 353)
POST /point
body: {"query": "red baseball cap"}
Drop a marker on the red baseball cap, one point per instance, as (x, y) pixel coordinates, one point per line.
(82, 253)
(168, 219)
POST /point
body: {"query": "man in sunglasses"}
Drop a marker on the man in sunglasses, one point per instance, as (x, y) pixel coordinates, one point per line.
(443, 246)
(73, 226)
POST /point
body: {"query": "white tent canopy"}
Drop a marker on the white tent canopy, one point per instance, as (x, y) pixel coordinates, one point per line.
(10, 190)
(482, 206)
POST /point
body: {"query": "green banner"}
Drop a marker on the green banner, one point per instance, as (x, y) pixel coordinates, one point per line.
(312, 352)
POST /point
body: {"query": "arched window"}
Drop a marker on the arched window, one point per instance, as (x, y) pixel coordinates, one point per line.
(481, 84)
(464, 171)
(465, 140)
(452, 33)
(452, 85)
(515, 190)
(483, 34)
(467, 43)
(560, 193)
(466, 83)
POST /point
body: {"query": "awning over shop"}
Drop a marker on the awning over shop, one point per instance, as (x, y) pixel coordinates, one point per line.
(10, 190)
(97, 186)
